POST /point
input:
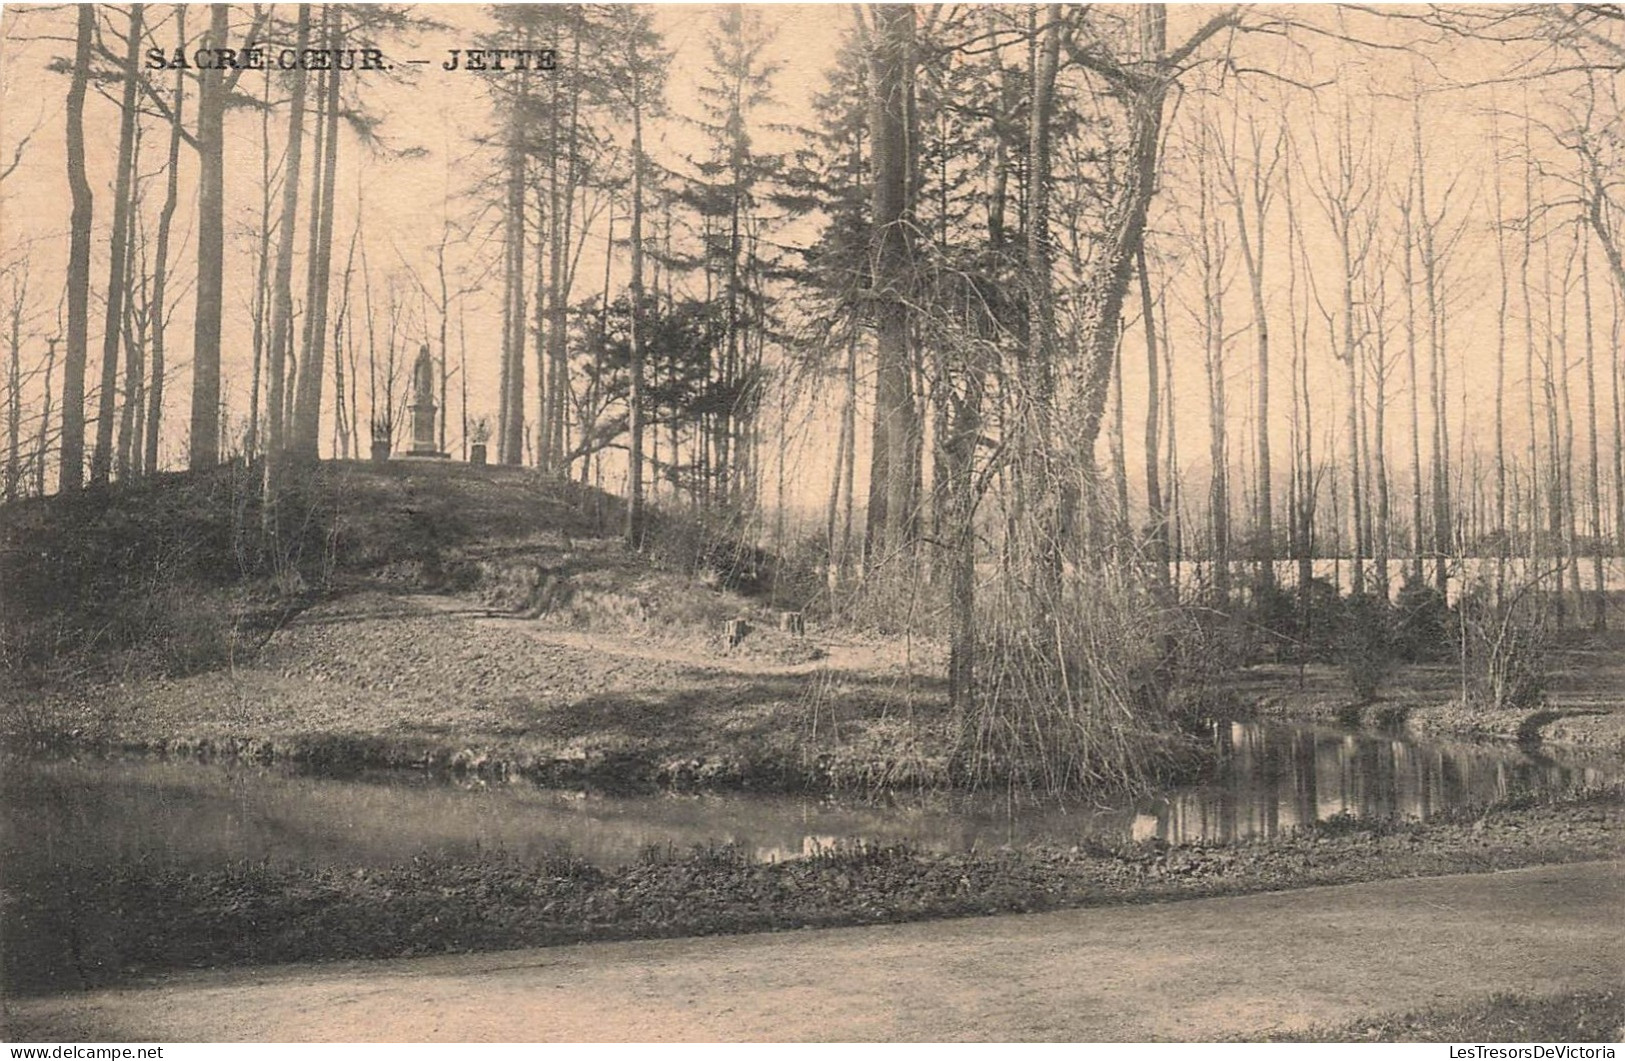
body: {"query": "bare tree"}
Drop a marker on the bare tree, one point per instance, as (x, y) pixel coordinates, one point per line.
(101, 458)
(1345, 194)
(281, 338)
(306, 429)
(160, 276)
(1213, 246)
(16, 310)
(1156, 515)
(1140, 70)
(642, 67)
(1434, 243)
(511, 415)
(1599, 618)
(1503, 537)
(1252, 199)
(214, 87)
(73, 380)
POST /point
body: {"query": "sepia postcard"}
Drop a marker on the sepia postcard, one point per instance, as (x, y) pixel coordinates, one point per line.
(812, 522)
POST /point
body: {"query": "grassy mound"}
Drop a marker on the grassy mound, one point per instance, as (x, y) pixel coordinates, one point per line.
(179, 573)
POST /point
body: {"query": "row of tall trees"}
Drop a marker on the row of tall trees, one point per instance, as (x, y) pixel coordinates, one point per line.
(184, 105)
(949, 255)
(998, 332)
(1381, 304)
(671, 367)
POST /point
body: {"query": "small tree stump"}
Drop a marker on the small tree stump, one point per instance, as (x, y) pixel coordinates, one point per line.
(736, 629)
(793, 624)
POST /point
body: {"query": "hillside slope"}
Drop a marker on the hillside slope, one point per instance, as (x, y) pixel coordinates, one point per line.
(437, 615)
(135, 577)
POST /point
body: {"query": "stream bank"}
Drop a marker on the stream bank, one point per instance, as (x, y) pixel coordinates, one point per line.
(137, 917)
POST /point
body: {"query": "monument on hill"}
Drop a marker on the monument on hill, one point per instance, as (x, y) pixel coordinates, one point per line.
(423, 406)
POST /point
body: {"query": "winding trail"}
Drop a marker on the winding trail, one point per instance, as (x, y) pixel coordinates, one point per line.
(838, 652)
(1192, 970)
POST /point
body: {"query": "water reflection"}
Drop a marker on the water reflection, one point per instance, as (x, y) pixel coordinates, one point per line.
(58, 815)
(1274, 778)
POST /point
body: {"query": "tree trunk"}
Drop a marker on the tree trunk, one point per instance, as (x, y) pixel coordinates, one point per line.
(14, 394)
(1381, 537)
(1554, 448)
(1105, 285)
(1213, 340)
(511, 420)
(1303, 484)
(634, 414)
(1349, 355)
(1619, 428)
(1252, 239)
(445, 326)
(282, 285)
(160, 279)
(564, 273)
(552, 448)
(131, 329)
(891, 477)
(544, 404)
(843, 443)
(1532, 453)
(101, 458)
(1570, 495)
(1156, 518)
(593, 461)
(203, 450)
(1503, 538)
(960, 447)
(1599, 618)
(1176, 489)
(43, 442)
(299, 367)
(1120, 457)
(72, 471)
(262, 277)
(308, 404)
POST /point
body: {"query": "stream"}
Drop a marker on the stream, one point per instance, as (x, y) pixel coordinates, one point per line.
(66, 815)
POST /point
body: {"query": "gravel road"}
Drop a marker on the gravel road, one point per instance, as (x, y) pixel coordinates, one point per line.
(1189, 971)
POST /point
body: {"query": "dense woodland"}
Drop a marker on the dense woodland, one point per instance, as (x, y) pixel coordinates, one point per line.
(1051, 329)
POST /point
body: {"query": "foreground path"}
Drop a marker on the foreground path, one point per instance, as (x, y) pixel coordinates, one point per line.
(1191, 970)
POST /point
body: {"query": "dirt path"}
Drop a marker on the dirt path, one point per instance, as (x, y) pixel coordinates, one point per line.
(1187, 971)
(842, 653)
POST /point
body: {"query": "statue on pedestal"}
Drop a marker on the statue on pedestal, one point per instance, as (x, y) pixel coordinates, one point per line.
(423, 406)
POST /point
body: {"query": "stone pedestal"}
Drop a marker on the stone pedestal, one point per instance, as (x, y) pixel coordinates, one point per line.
(423, 436)
(423, 407)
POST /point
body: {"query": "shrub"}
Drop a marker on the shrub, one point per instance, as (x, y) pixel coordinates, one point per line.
(894, 598)
(1505, 644)
(140, 569)
(1270, 615)
(1421, 631)
(1307, 623)
(1366, 644)
(711, 545)
(1077, 694)
(801, 577)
